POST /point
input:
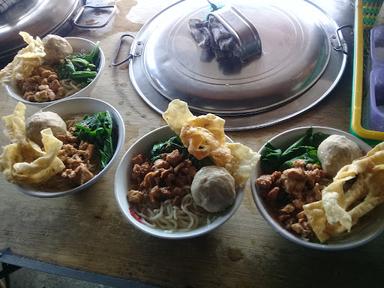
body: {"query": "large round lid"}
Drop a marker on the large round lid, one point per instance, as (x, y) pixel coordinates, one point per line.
(302, 60)
(295, 52)
(37, 17)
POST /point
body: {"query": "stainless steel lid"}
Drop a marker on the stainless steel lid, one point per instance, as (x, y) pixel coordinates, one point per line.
(37, 17)
(295, 53)
(302, 61)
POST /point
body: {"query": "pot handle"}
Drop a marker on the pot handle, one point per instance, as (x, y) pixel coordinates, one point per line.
(130, 56)
(86, 26)
(242, 29)
(341, 44)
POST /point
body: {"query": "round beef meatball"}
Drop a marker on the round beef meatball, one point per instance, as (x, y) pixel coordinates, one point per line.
(43, 120)
(56, 48)
(337, 151)
(213, 189)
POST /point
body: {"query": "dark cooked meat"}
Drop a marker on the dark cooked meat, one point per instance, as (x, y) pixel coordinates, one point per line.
(43, 85)
(167, 178)
(135, 196)
(77, 160)
(286, 192)
(138, 159)
(265, 182)
(78, 175)
(173, 158)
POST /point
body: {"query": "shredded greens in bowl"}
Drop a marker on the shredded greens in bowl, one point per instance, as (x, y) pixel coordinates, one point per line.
(98, 129)
(305, 148)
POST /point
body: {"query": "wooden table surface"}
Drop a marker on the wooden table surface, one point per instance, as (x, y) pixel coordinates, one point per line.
(87, 231)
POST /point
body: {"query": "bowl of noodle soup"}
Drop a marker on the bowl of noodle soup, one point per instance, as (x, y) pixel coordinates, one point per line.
(168, 221)
(72, 89)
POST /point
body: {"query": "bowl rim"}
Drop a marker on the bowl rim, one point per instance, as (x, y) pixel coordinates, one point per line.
(288, 235)
(120, 143)
(159, 233)
(10, 89)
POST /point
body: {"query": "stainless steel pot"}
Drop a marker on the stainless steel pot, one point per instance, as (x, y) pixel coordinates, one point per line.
(303, 58)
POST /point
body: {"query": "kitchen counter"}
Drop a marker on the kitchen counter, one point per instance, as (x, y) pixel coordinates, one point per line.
(86, 231)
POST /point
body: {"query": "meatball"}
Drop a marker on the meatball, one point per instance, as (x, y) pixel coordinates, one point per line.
(213, 188)
(56, 48)
(337, 151)
(43, 120)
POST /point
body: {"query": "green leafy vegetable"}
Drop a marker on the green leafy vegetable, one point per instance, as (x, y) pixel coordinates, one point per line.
(80, 67)
(91, 57)
(66, 69)
(80, 62)
(79, 75)
(97, 129)
(270, 159)
(305, 148)
(309, 155)
(166, 147)
(175, 143)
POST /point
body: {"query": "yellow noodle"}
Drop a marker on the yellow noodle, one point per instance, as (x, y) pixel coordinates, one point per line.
(70, 87)
(171, 218)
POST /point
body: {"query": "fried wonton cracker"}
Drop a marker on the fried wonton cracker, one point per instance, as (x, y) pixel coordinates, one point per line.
(44, 167)
(177, 115)
(244, 158)
(15, 124)
(25, 61)
(343, 205)
(204, 137)
(23, 161)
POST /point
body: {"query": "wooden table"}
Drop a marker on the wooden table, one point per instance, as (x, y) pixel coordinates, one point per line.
(86, 231)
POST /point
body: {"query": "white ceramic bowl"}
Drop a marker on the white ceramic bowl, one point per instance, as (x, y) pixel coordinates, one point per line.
(122, 185)
(79, 45)
(82, 106)
(365, 230)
